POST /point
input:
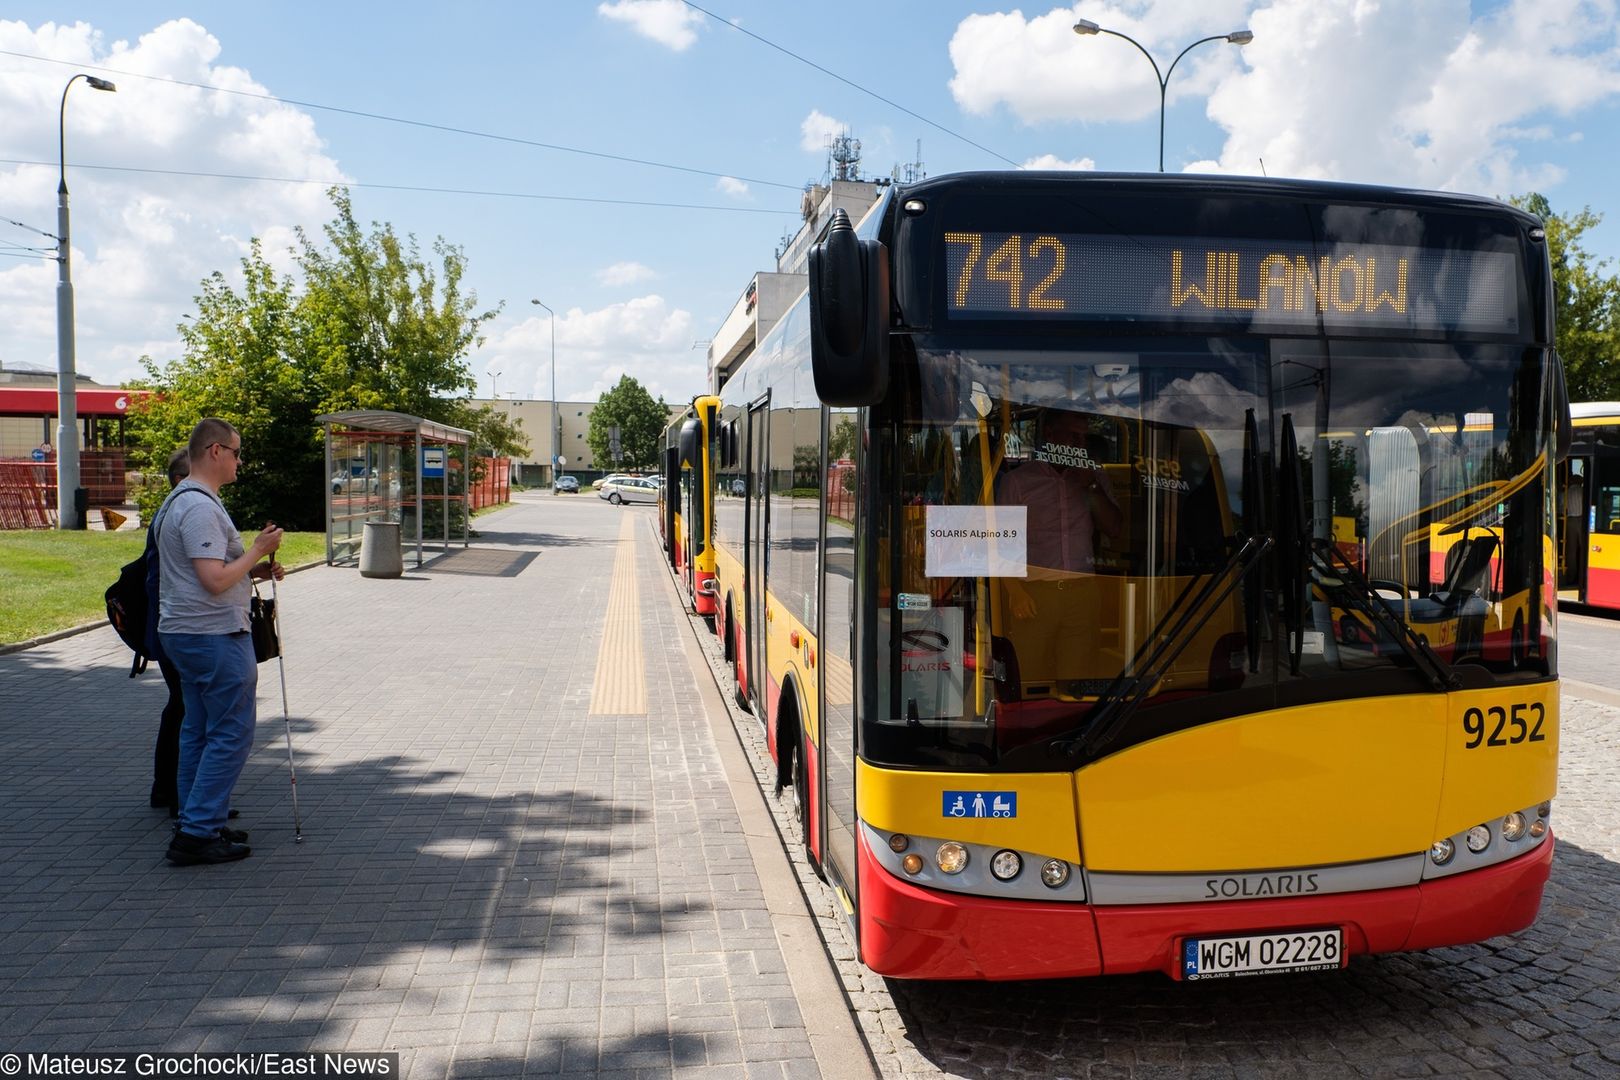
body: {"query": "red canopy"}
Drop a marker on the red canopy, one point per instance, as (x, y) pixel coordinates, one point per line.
(41, 401)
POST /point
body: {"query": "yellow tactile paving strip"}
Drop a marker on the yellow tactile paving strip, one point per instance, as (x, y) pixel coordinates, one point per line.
(621, 683)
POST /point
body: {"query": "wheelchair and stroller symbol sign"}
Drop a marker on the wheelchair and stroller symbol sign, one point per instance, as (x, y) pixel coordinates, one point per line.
(980, 804)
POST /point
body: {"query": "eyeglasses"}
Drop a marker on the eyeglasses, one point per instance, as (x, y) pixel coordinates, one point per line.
(237, 450)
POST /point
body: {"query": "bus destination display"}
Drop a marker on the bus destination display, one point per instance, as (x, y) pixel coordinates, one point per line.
(1245, 282)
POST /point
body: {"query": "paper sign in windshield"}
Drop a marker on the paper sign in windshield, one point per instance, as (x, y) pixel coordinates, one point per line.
(976, 541)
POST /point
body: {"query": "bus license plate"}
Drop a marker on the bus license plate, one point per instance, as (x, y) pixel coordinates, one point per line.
(1262, 954)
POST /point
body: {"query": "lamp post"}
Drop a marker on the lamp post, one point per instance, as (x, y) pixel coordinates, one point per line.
(1086, 28)
(67, 398)
(494, 394)
(556, 435)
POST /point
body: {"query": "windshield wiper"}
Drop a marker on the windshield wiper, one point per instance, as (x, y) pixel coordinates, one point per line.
(1174, 632)
(1335, 571)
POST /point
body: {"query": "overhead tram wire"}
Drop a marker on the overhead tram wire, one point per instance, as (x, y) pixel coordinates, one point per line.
(852, 83)
(420, 188)
(427, 125)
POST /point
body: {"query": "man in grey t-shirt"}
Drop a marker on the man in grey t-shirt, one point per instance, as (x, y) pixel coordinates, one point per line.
(203, 591)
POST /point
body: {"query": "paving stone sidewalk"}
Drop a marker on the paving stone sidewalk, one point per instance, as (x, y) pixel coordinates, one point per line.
(492, 881)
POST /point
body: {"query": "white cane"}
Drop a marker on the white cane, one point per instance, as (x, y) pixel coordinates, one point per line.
(286, 716)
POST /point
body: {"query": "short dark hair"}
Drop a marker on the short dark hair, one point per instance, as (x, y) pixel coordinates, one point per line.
(209, 430)
(179, 466)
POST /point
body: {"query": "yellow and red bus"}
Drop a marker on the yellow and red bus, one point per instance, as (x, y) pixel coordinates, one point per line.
(1589, 508)
(1092, 550)
(685, 502)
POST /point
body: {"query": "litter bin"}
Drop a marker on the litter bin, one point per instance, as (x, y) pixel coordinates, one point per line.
(379, 550)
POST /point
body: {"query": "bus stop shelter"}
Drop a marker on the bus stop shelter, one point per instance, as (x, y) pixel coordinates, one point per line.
(389, 467)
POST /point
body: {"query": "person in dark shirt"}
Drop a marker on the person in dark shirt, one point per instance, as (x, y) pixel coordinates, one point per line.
(166, 755)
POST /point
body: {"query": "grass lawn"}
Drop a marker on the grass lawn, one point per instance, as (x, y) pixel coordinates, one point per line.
(52, 580)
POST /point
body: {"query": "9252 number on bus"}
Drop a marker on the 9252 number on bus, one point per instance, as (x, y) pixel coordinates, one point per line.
(1504, 726)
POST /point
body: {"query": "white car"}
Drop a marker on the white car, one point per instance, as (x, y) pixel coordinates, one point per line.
(629, 489)
(612, 478)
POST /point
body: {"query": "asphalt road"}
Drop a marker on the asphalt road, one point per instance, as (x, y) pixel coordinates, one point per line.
(1589, 648)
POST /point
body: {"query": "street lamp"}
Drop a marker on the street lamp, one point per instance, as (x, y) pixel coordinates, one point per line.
(67, 398)
(494, 394)
(556, 435)
(1087, 28)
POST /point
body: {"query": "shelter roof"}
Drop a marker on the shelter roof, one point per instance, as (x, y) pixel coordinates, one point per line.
(399, 424)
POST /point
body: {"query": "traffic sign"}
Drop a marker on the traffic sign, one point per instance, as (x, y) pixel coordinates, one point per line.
(38, 454)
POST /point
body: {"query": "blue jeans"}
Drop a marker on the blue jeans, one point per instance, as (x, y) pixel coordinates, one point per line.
(219, 680)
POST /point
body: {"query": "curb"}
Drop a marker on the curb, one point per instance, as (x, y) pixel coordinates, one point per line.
(84, 628)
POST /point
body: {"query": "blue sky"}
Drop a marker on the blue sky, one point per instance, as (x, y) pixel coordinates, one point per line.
(1494, 98)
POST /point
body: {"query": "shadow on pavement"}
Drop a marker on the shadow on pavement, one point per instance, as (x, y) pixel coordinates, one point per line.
(430, 896)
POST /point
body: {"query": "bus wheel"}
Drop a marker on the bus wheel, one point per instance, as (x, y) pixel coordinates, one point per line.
(736, 671)
(1516, 641)
(801, 802)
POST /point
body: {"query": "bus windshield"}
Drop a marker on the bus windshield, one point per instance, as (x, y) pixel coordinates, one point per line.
(1065, 521)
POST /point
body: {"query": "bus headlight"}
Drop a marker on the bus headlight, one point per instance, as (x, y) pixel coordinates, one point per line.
(1054, 872)
(912, 864)
(1513, 827)
(1479, 838)
(1538, 829)
(1006, 864)
(899, 842)
(1441, 851)
(951, 858)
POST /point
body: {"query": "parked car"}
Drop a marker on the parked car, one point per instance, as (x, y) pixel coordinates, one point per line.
(613, 478)
(569, 484)
(630, 489)
(356, 481)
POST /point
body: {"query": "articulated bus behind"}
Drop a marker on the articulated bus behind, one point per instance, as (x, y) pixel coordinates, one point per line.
(1155, 573)
(1589, 508)
(685, 502)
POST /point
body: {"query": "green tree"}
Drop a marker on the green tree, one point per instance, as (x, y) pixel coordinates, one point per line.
(240, 363)
(388, 331)
(1586, 303)
(366, 323)
(640, 420)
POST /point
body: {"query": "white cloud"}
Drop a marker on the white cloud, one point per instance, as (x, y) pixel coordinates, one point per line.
(645, 338)
(1052, 161)
(730, 185)
(668, 22)
(1042, 71)
(142, 242)
(625, 273)
(818, 130)
(1441, 99)
(1430, 95)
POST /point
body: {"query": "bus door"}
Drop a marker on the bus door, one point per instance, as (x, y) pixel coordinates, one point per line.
(690, 494)
(837, 638)
(757, 541)
(667, 504)
(1574, 497)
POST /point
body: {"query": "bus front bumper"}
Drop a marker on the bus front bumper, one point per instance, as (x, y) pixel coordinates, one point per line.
(915, 933)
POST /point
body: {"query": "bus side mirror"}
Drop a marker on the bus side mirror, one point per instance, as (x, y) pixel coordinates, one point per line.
(849, 317)
(691, 432)
(1565, 433)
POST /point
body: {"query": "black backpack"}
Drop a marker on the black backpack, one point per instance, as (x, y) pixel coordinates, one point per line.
(132, 602)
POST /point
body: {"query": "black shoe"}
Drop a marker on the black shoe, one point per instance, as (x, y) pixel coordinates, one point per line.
(188, 850)
(233, 836)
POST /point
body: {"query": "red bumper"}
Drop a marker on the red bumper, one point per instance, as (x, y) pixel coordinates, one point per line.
(703, 603)
(915, 933)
